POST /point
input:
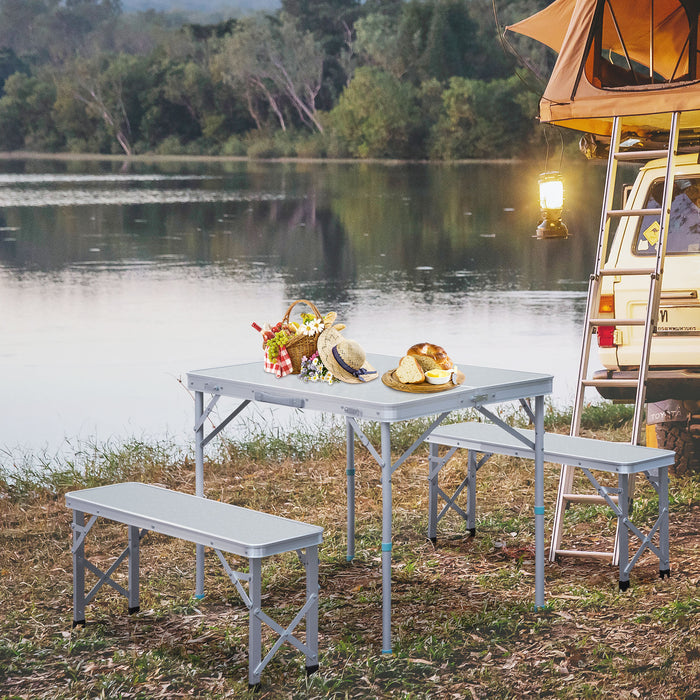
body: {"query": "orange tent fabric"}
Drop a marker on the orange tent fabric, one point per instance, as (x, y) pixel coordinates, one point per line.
(632, 58)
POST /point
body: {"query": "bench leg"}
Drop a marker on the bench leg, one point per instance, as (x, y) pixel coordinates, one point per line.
(78, 569)
(134, 538)
(471, 492)
(622, 531)
(254, 622)
(664, 559)
(435, 464)
(312, 612)
(350, 473)
(434, 472)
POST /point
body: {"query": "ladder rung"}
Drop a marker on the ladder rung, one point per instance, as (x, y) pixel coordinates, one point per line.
(609, 382)
(634, 212)
(583, 554)
(627, 271)
(641, 155)
(587, 498)
(617, 322)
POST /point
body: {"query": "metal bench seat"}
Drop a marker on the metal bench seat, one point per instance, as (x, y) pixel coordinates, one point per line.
(623, 459)
(221, 526)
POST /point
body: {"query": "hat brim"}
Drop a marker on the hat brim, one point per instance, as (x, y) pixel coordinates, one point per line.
(328, 339)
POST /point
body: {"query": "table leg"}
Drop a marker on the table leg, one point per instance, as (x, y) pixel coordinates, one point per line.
(78, 569)
(386, 538)
(350, 472)
(539, 502)
(199, 484)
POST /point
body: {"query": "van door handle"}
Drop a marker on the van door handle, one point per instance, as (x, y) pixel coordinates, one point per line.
(680, 294)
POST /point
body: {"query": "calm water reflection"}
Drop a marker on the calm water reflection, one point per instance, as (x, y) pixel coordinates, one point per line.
(116, 282)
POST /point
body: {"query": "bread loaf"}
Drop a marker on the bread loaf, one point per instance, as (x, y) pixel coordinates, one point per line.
(409, 371)
(430, 356)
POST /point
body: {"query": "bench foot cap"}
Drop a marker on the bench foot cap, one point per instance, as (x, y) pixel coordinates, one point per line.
(78, 623)
(133, 611)
(472, 531)
(432, 539)
(310, 670)
(665, 573)
(624, 585)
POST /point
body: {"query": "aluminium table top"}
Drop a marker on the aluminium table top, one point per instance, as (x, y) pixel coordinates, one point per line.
(371, 400)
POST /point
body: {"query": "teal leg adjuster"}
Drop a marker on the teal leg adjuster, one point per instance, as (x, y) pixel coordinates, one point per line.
(386, 547)
(350, 472)
(539, 510)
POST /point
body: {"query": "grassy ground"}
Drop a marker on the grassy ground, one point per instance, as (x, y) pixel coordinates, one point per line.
(462, 619)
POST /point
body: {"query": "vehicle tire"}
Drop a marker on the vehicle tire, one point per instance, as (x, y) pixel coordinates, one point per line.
(676, 436)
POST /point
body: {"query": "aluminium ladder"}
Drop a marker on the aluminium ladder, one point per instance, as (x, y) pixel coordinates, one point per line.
(565, 495)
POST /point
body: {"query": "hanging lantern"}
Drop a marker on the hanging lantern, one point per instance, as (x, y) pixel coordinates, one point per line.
(551, 204)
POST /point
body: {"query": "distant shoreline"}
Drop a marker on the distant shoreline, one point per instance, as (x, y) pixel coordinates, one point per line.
(157, 158)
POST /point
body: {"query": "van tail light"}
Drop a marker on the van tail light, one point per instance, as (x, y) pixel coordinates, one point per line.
(606, 309)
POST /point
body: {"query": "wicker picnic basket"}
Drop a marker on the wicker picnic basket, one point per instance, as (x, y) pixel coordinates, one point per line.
(302, 345)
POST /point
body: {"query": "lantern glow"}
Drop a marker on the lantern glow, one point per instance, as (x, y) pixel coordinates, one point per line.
(551, 204)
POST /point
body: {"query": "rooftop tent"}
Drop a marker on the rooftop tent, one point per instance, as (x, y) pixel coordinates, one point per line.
(631, 58)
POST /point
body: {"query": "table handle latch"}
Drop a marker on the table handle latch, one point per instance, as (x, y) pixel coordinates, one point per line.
(291, 401)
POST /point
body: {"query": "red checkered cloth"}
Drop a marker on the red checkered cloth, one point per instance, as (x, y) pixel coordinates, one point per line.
(280, 367)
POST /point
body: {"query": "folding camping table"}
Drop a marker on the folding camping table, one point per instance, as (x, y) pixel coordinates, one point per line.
(376, 402)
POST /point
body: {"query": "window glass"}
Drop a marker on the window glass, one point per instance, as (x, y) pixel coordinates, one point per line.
(684, 223)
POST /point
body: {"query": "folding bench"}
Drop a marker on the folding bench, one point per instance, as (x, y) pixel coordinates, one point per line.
(623, 459)
(221, 526)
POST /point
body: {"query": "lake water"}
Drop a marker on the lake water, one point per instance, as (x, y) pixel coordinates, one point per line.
(115, 280)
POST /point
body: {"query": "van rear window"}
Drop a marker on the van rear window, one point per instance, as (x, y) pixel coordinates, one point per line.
(684, 224)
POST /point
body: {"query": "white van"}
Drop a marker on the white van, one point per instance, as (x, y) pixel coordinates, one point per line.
(673, 387)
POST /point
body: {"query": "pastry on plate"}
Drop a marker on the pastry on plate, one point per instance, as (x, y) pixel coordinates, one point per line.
(430, 356)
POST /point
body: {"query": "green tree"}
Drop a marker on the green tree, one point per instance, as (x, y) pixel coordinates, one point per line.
(83, 132)
(377, 116)
(112, 88)
(275, 63)
(25, 114)
(331, 23)
(377, 43)
(450, 33)
(481, 120)
(9, 64)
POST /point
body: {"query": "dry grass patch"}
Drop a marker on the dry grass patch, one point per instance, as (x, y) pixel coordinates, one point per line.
(463, 623)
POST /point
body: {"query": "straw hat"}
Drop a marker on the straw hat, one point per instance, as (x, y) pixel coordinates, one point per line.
(344, 359)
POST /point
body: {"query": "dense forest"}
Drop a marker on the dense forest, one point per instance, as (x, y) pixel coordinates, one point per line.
(315, 78)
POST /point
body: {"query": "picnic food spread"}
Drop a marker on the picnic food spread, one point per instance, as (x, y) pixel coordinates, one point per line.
(425, 367)
(315, 349)
(424, 362)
